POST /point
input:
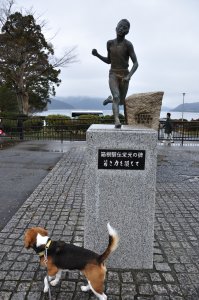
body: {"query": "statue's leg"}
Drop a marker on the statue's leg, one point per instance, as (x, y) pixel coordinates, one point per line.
(114, 87)
(115, 107)
(124, 85)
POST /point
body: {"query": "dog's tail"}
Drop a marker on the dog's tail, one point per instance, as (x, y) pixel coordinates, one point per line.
(112, 245)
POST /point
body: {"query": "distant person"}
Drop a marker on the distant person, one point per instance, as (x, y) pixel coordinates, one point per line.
(119, 51)
(168, 129)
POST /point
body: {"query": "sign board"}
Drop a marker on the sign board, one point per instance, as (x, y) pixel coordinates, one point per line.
(121, 159)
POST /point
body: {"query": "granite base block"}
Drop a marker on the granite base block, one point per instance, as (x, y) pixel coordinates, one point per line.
(123, 197)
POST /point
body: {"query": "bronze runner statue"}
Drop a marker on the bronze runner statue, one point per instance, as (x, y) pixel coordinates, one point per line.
(119, 51)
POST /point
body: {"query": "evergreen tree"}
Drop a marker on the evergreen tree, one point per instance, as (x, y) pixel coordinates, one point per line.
(7, 100)
(25, 65)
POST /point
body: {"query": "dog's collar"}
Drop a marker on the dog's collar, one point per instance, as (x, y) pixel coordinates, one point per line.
(48, 243)
(42, 249)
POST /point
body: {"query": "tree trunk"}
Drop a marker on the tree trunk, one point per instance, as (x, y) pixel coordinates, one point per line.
(23, 102)
(22, 94)
(20, 102)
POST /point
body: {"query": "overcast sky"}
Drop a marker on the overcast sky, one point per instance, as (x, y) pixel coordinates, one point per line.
(165, 35)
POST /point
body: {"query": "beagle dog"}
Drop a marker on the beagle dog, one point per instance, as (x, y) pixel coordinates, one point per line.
(58, 256)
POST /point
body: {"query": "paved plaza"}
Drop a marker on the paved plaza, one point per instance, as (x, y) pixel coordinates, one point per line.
(58, 204)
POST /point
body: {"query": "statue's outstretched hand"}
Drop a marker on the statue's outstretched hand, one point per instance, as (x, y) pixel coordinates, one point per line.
(94, 52)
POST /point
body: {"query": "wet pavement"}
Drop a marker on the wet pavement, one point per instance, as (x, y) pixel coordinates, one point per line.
(57, 203)
(22, 167)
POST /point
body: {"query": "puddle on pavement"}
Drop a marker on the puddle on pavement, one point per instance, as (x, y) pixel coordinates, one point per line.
(45, 149)
(35, 149)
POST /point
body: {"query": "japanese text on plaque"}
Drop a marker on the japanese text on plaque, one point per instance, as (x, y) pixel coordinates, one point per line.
(121, 159)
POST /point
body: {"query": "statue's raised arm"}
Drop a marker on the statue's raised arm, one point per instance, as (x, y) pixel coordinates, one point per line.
(103, 58)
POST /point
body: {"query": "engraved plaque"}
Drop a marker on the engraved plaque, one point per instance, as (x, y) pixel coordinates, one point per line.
(121, 159)
(144, 118)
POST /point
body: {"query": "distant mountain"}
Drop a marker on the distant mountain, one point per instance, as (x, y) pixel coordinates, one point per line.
(85, 102)
(188, 107)
(81, 102)
(165, 108)
(57, 104)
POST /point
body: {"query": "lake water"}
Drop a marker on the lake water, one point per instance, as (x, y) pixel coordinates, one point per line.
(67, 112)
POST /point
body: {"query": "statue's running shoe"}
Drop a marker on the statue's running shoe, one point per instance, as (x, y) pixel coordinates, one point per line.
(108, 100)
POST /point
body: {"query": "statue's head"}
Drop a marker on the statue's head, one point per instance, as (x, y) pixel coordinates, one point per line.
(123, 27)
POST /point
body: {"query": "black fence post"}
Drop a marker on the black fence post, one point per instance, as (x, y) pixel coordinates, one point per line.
(182, 132)
(62, 135)
(159, 131)
(20, 127)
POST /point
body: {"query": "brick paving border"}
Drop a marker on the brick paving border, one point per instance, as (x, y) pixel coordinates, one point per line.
(58, 204)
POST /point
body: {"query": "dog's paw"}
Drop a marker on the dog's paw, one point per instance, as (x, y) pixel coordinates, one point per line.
(54, 282)
(85, 288)
(46, 289)
(105, 297)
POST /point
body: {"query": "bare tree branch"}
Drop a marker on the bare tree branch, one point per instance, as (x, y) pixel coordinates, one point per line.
(6, 10)
(70, 56)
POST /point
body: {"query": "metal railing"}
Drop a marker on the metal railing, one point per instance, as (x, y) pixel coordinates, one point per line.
(65, 129)
(182, 131)
(44, 128)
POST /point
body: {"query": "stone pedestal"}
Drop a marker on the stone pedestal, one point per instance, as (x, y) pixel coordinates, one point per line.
(120, 189)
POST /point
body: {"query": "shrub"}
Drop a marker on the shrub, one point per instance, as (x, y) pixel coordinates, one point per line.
(83, 122)
(89, 119)
(58, 122)
(33, 124)
(9, 125)
(109, 119)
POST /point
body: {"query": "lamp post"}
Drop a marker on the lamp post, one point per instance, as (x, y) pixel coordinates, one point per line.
(183, 95)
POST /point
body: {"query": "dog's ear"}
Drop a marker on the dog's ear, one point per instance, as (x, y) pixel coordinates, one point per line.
(29, 238)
